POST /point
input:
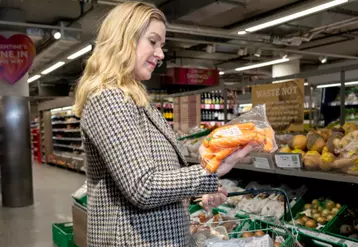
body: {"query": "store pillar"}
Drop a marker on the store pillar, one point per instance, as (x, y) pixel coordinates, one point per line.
(17, 54)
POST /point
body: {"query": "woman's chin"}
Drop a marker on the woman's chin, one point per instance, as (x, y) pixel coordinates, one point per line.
(146, 76)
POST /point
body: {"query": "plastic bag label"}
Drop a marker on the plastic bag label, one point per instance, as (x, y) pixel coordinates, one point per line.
(233, 131)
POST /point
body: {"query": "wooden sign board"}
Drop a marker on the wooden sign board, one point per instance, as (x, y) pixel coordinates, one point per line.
(284, 104)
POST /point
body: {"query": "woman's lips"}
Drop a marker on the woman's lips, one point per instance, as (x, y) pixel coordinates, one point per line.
(153, 64)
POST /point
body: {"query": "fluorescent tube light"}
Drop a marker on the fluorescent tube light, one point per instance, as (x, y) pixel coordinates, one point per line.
(329, 85)
(33, 78)
(80, 52)
(338, 84)
(52, 68)
(221, 73)
(295, 15)
(306, 84)
(245, 105)
(351, 83)
(241, 32)
(258, 65)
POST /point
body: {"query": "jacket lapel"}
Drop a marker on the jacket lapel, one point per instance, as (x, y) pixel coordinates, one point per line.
(162, 125)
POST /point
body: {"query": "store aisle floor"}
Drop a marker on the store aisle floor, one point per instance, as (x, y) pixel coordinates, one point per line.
(31, 226)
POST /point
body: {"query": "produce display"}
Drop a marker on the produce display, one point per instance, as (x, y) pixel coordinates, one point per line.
(346, 225)
(327, 149)
(247, 133)
(318, 213)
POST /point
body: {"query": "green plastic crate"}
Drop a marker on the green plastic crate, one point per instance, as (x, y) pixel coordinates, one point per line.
(334, 225)
(268, 228)
(62, 234)
(298, 207)
(82, 200)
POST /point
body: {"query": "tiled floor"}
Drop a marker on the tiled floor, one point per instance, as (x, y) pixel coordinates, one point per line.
(31, 226)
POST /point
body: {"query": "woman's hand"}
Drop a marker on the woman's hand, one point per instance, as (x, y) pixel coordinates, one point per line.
(214, 200)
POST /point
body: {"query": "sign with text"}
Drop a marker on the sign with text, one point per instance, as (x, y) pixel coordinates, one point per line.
(284, 104)
(192, 76)
(16, 56)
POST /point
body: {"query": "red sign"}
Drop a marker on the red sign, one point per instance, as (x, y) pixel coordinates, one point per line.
(191, 76)
(16, 56)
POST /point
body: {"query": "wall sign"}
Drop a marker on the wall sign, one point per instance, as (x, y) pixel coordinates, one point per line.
(16, 56)
(284, 104)
(192, 76)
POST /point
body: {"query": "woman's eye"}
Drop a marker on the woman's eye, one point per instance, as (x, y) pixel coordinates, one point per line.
(152, 42)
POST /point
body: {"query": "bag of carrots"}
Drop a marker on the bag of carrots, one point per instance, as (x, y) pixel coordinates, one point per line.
(249, 132)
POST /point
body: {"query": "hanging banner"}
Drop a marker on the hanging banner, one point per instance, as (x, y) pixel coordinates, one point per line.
(16, 56)
(192, 76)
(284, 104)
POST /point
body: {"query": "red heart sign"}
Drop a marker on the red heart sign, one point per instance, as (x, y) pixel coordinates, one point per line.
(16, 56)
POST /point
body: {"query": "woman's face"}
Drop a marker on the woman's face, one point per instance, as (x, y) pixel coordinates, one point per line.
(149, 50)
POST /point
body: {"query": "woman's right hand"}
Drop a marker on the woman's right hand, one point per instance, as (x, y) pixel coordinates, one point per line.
(210, 201)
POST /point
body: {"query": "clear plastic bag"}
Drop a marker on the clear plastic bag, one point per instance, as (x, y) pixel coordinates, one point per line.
(233, 141)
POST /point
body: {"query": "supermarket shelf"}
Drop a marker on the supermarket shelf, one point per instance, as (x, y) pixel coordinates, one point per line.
(66, 130)
(67, 146)
(66, 139)
(69, 156)
(337, 177)
(62, 116)
(66, 122)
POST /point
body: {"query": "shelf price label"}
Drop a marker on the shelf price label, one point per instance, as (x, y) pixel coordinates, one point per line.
(288, 160)
(261, 162)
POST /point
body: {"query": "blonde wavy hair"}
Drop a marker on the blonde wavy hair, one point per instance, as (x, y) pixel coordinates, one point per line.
(112, 61)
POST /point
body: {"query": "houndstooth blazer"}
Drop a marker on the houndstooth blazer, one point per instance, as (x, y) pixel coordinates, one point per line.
(137, 178)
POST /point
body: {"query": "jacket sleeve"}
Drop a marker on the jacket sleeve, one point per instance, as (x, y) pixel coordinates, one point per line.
(112, 126)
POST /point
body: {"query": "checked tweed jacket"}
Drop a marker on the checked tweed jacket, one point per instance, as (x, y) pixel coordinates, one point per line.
(138, 180)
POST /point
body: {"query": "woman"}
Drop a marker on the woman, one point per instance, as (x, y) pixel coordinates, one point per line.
(138, 180)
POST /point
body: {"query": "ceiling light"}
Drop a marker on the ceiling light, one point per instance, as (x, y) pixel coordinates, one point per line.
(33, 78)
(351, 83)
(306, 84)
(329, 85)
(295, 15)
(259, 65)
(210, 48)
(57, 35)
(338, 84)
(241, 32)
(52, 68)
(80, 52)
(221, 73)
(242, 51)
(283, 54)
(323, 59)
(258, 53)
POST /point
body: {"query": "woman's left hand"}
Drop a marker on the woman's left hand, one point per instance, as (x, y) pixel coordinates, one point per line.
(214, 200)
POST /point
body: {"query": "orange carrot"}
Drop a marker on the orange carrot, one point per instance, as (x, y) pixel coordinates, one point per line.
(213, 165)
(224, 153)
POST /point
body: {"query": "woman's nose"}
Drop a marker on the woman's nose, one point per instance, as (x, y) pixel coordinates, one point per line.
(159, 53)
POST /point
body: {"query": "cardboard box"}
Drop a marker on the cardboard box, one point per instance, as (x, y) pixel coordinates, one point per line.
(79, 218)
